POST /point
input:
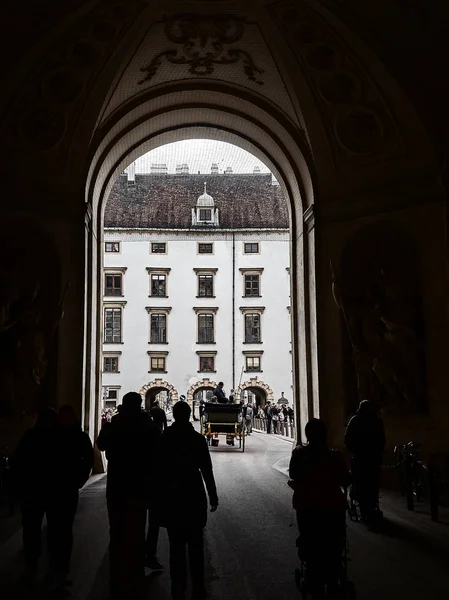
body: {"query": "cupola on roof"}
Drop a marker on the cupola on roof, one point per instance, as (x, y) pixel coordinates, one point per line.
(205, 199)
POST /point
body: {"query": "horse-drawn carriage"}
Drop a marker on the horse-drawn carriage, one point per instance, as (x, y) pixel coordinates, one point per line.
(225, 420)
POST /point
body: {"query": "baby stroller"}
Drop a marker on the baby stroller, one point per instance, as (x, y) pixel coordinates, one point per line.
(323, 569)
(354, 510)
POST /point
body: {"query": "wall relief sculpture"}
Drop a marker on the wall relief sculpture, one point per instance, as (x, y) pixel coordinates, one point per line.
(377, 291)
(30, 310)
(359, 124)
(203, 42)
(55, 91)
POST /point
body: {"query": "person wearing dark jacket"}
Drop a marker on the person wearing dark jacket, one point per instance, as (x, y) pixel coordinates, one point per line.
(129, 441)
(74, 458)
(267, 410)
(318, 476)
(152, 560)
(365, 440)
(53, 461)
(158, 415)
(31, 475)
(219, 393)
(181, 504)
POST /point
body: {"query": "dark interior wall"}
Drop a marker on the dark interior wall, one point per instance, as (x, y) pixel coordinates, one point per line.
(31, 310)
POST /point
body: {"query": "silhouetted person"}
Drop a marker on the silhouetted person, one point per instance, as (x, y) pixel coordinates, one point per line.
(249, 414)
(182, 501)
(365, 440)
(219, 393)
(53, 461)
(268, 416)
(201, 409)
(32, 471)
(129, 441)
(274, 414)
(74, 457)
(158, 415)
(317, 476)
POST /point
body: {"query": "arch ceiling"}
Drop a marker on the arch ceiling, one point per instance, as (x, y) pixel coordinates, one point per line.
(297, 58)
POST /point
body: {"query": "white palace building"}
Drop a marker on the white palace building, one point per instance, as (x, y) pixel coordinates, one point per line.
(196, 286)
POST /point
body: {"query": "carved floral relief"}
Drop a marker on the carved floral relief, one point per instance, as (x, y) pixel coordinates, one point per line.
(202, 44)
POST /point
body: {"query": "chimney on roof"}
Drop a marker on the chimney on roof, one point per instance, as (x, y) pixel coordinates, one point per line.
(131, 172)
(159, 168)
(256, 169)
(228, 171)
(214, 169)
(185, 169)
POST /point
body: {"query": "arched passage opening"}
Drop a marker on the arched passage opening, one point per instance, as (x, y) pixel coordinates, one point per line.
(258, 129)
(259, 392)
(201, 390)
(161, 390)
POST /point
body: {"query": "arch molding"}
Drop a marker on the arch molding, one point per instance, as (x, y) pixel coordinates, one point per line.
(254, 383)
(160, 383)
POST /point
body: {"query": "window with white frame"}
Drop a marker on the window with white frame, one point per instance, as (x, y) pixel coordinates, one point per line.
(252, 282)
(158, 328)
(251, 248)
(158, 362)
(205, 214)
(205, 282)
(113, 284)
(158, 248)
(252, 285)
(253, 362)
(113, 281)
(252, 317)
(206, 328)
(111, 363)
(111, 396)
(159, 285)
(205, 325)
(113, 324)
(112, 246)
(205, 248)
(158, 282)
(206, 362)
(158, 324)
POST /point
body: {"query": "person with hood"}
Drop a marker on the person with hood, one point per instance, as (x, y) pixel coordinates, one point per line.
(130, 441)
(318, 476)
(181, 505)
(365, 440)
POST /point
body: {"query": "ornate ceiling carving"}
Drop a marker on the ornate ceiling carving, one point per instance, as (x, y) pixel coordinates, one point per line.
(202, 44)
(52, 96)
(359, 125)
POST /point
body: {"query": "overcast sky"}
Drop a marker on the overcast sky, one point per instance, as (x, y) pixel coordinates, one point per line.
(199, 155)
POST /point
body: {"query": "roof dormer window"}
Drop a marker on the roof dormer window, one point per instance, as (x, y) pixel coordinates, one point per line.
(205, 212)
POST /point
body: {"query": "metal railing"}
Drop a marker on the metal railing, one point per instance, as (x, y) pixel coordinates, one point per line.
(285, 428)
(418, 479)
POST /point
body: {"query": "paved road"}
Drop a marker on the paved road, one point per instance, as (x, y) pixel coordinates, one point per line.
(250, 544)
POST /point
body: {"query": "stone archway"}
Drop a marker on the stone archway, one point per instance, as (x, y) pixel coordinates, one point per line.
(158, 385)
(254, 383)
(199, 385)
